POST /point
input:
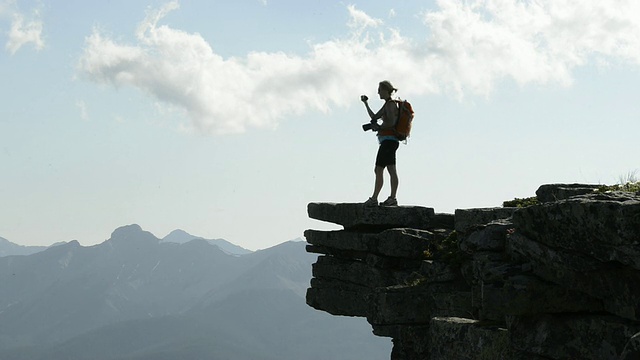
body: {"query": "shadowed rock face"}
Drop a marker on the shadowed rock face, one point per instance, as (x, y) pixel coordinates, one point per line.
(603, 226)
(356, 216)
(558, 280)
(557, 192)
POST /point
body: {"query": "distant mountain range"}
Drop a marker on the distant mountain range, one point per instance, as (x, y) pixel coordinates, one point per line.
(182, 237)
(137, 297)
(8, 248)
(178, 236)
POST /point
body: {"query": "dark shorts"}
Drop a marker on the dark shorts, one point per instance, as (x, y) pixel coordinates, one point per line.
(387, 153)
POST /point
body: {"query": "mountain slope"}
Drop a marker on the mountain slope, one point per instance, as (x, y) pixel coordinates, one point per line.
(7, 248)
(136, 297)
(182, 237)
(69, 289)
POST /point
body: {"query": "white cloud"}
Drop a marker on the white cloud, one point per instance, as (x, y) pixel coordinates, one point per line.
(528, 41)
(221, 95)
(359, 20)
(469, 46)
(24, 31)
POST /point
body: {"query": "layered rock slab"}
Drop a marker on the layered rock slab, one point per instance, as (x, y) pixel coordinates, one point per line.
(551, 281)
(358, 216)
(385, 266)
(603, 226)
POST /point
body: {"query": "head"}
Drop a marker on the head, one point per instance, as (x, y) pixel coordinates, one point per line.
(385, 89)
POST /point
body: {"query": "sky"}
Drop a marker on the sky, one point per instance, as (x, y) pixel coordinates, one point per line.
(225, 119)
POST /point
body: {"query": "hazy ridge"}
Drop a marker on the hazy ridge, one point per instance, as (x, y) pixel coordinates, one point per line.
(138, 297)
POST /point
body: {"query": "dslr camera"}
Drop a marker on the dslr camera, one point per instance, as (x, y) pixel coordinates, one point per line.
(368, 126)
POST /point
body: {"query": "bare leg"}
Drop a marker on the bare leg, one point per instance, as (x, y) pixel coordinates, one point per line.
(379, 171)
(394, 180)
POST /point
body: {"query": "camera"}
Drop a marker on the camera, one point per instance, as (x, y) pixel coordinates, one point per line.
(368, 126)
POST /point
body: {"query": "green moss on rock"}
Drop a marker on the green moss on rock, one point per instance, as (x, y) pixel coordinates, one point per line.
(520, 203)
(631, 187)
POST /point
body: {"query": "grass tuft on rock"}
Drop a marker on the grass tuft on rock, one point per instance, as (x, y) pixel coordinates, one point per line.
(520, 203)
(631, 187)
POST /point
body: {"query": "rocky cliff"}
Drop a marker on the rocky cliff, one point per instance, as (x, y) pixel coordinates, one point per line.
(555, 280)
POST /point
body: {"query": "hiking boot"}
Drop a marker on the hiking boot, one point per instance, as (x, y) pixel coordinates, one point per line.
(389, 202)
(371, 202)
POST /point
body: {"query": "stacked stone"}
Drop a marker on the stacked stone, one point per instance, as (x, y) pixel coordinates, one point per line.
(588, 245)
(482, 334)
(560, 277)
(385, 265)
(558, 280)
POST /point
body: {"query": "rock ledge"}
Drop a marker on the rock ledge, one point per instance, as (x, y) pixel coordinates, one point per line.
(558, 280)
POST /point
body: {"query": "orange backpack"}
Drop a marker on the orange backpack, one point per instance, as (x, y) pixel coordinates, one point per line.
(405, 118)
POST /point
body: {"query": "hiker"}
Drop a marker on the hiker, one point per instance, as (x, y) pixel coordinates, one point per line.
(386, 157)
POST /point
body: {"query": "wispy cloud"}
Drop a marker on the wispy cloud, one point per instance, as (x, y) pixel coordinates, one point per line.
(474, 44)
(82, 107)
(468, 46)
(23, 30)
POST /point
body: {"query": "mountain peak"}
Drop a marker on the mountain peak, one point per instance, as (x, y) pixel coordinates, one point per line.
(132, 232)
(179, 236)
(182, 237)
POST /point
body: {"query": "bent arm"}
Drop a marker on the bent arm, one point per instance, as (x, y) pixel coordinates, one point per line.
(372, 115)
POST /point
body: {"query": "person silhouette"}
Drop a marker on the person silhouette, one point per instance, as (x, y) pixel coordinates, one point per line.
(388, 143)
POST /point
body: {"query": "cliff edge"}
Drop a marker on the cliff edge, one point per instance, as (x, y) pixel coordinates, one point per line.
(555, 280)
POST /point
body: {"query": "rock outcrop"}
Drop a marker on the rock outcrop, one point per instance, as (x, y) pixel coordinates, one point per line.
(558, 280)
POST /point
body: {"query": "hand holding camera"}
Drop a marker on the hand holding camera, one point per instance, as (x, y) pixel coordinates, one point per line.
(373, 125)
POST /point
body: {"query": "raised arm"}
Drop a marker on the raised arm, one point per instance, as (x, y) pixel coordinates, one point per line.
(372, 115)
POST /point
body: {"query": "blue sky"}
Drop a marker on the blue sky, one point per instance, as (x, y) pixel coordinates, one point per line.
(226, 118)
